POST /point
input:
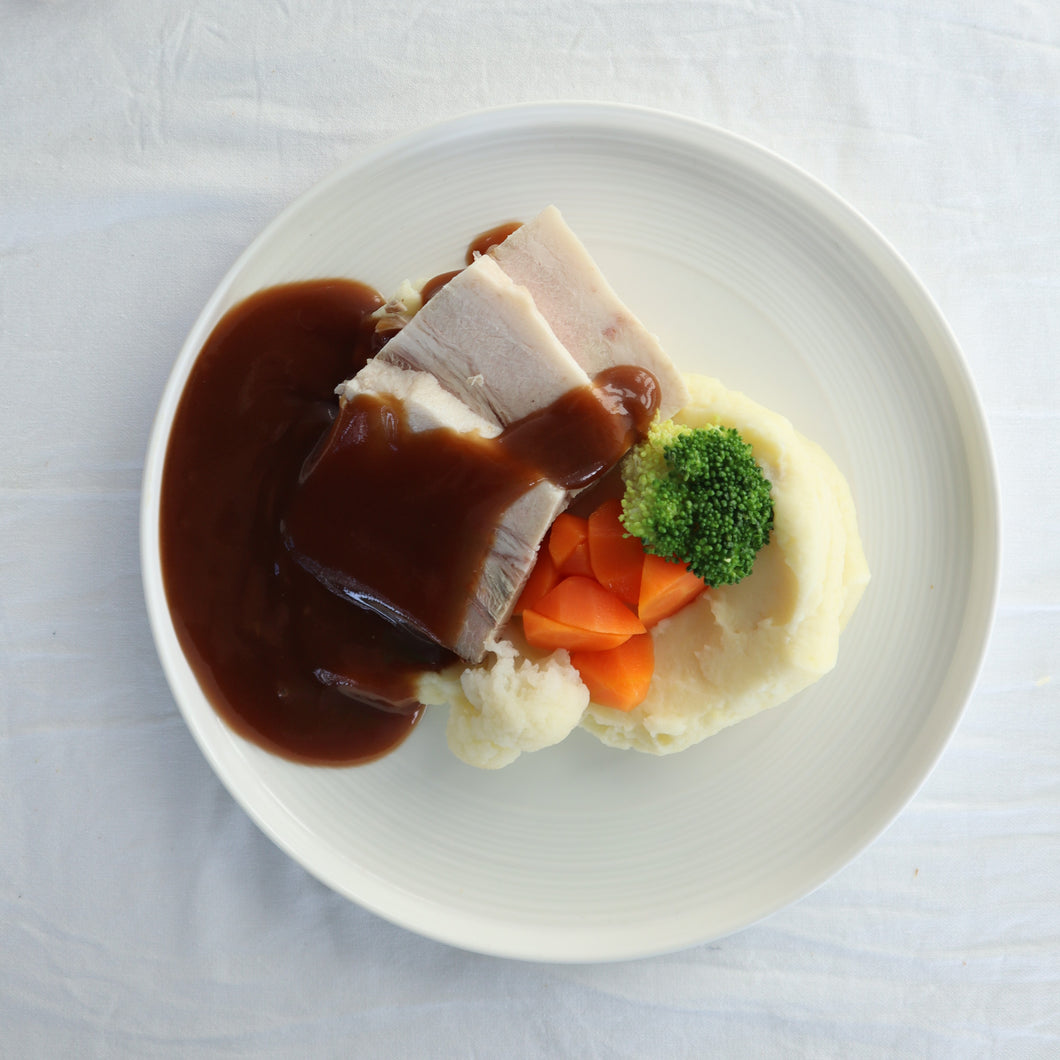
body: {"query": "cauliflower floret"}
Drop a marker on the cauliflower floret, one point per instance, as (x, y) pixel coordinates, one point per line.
(508, 705)
(399, 309)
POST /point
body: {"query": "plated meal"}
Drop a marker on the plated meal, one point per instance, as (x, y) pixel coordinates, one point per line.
(784, 335)
(493, 493)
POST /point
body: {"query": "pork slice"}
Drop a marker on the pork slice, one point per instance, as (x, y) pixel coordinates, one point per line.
(482, 337)
(426, 403)
(521, 527)
(582, 308)
(511, 558)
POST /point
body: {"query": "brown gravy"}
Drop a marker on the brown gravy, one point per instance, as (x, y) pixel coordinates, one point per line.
(481, 244)
(401, 521)
(490, 238)
(436, 283)
(303, 547)
(394, 518)
(261, 634)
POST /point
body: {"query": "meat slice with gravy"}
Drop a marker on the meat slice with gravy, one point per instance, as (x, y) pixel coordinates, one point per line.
(519, 530)
(581, 307)
(484, 339)
(482, 362)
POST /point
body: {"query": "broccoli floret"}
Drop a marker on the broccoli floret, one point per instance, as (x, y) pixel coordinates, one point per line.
(697, 495)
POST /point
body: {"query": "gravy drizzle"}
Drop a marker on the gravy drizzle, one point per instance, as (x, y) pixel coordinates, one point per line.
(312, 555)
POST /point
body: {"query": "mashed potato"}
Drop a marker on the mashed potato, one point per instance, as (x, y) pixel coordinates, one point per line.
(737, 650)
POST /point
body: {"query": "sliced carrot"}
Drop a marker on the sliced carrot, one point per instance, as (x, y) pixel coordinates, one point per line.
(618, 677)
(665, 587)
(544, 632)
(585, 603)
(568, 544)
(543, 577)
(616, 558)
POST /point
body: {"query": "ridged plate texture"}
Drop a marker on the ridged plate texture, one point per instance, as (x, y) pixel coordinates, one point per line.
(748, 270)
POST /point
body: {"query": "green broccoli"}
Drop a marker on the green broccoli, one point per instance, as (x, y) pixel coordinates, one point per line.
(697, 495)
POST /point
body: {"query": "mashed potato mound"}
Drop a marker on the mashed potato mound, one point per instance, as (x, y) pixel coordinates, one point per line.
(737, 650)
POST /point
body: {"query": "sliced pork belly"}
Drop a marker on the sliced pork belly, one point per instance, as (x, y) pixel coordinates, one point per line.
(331, 551)
(483, 338)
(572, 294)
(511, 558)
(478, 358)
(519, 533)
(427, 404)
(508, 565)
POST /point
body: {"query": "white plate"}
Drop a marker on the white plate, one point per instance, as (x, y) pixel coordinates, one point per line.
(748, 270)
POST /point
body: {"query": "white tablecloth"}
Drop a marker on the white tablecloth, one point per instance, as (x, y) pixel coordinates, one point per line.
(142, 146)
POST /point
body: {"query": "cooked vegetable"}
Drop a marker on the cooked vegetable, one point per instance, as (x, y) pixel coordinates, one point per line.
(579, 614)
(665, 588)
(619, 677)
(569, 546)
(616, 557)
(697, 495)
(602, 620)
(550, 634)
(585, 603)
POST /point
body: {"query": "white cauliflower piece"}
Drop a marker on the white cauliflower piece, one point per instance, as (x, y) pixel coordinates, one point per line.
(399, 309)
(507, 705)
(405, 302)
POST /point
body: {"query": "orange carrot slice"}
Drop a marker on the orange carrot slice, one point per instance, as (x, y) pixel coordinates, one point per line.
(544, 632)
(568, 544)
(616, 558)
(665, 587)
(585, 603)
(618, 677)
(543, 577)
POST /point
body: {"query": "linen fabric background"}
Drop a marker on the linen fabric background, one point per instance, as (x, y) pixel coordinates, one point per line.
(142, 147)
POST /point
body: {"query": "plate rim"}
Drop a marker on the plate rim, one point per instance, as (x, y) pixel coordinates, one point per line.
(543, 116)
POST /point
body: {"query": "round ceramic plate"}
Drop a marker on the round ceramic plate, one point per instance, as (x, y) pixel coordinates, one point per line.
(750, 271)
